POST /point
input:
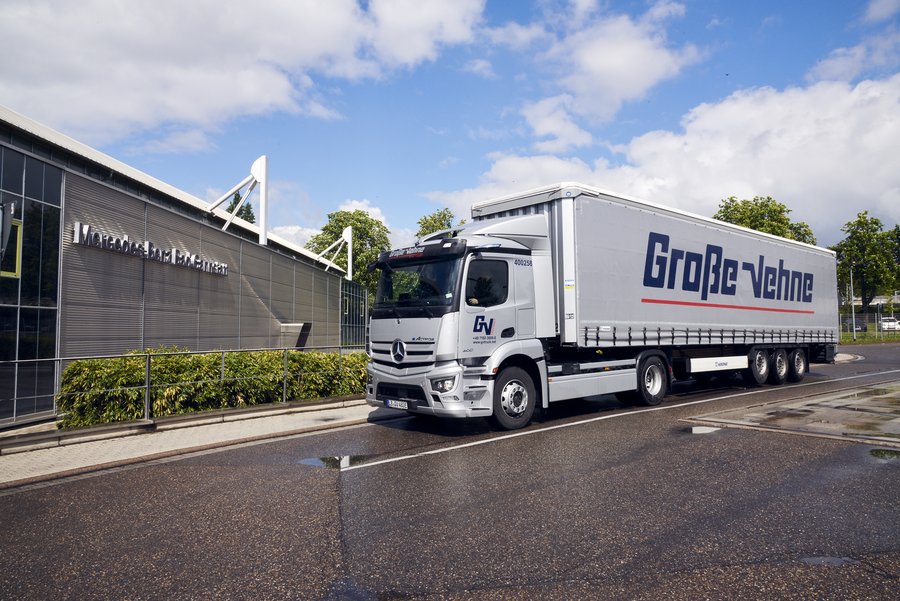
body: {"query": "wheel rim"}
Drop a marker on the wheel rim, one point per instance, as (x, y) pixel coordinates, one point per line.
(514, 398)
(799, 364)
(762, 363)
(653, 380)
(780, 364)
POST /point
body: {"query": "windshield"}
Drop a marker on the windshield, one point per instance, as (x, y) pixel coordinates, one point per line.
(420, 285)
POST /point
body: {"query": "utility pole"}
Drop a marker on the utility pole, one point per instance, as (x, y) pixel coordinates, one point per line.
(852, 305)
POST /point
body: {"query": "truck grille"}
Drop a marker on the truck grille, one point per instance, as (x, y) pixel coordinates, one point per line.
(400, 392)
(418, 354)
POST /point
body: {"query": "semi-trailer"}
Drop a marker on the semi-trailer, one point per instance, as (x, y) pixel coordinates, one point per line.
(569, 291)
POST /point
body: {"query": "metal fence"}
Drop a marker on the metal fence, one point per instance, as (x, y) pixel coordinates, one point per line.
(31, 388)
(887, 326)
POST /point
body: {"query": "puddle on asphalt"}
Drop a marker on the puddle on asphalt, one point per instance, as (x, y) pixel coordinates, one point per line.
(885, 454)
(862, 413)
(871, 393)
(334, 462)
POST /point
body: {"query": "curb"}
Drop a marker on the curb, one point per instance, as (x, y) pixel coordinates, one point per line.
(188, 450)
(34, 441)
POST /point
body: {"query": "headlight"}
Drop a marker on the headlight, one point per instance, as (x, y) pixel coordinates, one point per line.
(443, 384)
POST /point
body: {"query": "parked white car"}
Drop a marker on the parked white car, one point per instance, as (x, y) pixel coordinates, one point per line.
(890, 324)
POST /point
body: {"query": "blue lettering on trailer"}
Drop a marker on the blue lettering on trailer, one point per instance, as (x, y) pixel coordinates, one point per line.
(712, 272)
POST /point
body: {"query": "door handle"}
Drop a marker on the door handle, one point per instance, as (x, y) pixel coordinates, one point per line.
(508, 333)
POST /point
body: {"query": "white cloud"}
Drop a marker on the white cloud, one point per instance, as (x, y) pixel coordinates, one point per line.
(101, 70)
(402, 236)
(516, 35)
(398, 236)
(300, 234)
(297, 234)
(662, 10)
(408, 32)
(842, 64)
(875, 53)
(179, 141)
(511, 173)
(550, 118)
(605, 62)
(366, 206)
(881, 10)
(827, 151)
(481, 68)
(617, 60)
(582, 9)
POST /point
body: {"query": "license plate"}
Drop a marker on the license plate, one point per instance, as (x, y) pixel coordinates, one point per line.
(397, 404)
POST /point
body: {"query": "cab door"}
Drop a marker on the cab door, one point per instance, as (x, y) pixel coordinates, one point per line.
(488, 306)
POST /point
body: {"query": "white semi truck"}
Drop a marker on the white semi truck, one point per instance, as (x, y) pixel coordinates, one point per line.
(569, 291)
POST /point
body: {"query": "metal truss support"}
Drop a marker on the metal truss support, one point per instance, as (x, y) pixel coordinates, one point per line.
(259, 175)
(346, 238)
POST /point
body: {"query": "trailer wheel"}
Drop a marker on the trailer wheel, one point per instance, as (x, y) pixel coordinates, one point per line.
(779, 370)
(651, 385)
(758, 371)
(514, 399)
(797, 365)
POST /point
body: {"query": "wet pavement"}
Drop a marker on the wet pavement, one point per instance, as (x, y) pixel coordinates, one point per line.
(594, 500)
(43, 453)
(866, 413)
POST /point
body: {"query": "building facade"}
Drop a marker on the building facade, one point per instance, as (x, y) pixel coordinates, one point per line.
(102, 259)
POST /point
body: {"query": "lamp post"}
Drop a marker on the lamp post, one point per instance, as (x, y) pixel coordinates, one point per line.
(852, 307)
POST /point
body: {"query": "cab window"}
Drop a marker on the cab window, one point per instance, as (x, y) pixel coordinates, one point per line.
(487, 283)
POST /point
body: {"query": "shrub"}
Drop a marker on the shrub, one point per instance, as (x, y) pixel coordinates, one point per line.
(104, 390)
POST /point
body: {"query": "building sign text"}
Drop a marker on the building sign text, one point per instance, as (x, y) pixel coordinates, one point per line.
(87, 235)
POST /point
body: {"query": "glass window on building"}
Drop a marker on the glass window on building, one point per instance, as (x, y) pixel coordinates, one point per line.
(31, 200)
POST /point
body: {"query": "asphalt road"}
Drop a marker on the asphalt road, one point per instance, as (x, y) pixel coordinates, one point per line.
(593, 501)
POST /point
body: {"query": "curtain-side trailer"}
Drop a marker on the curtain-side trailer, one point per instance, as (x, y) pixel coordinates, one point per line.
(569, 291)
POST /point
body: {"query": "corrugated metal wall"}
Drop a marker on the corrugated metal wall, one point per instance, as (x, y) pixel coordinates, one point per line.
(112, 302)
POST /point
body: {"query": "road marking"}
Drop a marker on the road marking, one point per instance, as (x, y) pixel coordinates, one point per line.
(704, 429)
(600, 418)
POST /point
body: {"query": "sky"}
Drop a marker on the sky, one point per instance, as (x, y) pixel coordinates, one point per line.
(403, 107)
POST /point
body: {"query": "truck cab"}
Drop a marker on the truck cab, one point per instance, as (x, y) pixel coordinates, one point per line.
(451, 313)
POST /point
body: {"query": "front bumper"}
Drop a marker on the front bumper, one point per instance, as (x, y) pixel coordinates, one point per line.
(471, 396)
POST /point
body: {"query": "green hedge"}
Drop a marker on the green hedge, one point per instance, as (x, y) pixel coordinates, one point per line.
(99, 391)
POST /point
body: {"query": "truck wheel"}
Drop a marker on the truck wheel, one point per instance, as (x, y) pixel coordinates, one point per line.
(779, 370)
(628, 397)
(651, 387)
(758, 371)
(514, 399)
(797, 365)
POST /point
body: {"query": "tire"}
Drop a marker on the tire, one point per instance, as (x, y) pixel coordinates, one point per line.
(628, 398)
(798, 365)
(778, 371)
(758, 371)
(651, 381)
(514, 399)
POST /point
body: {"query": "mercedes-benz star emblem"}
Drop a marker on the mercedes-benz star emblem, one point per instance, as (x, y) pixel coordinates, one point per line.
(398, 350)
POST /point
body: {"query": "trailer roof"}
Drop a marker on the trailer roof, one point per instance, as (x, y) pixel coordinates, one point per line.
(559, 190)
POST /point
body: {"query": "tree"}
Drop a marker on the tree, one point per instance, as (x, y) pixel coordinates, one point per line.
(871, 254)
(893, 237)
(245, 212)
(764, 214)
(435, 222)
(370, 237)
